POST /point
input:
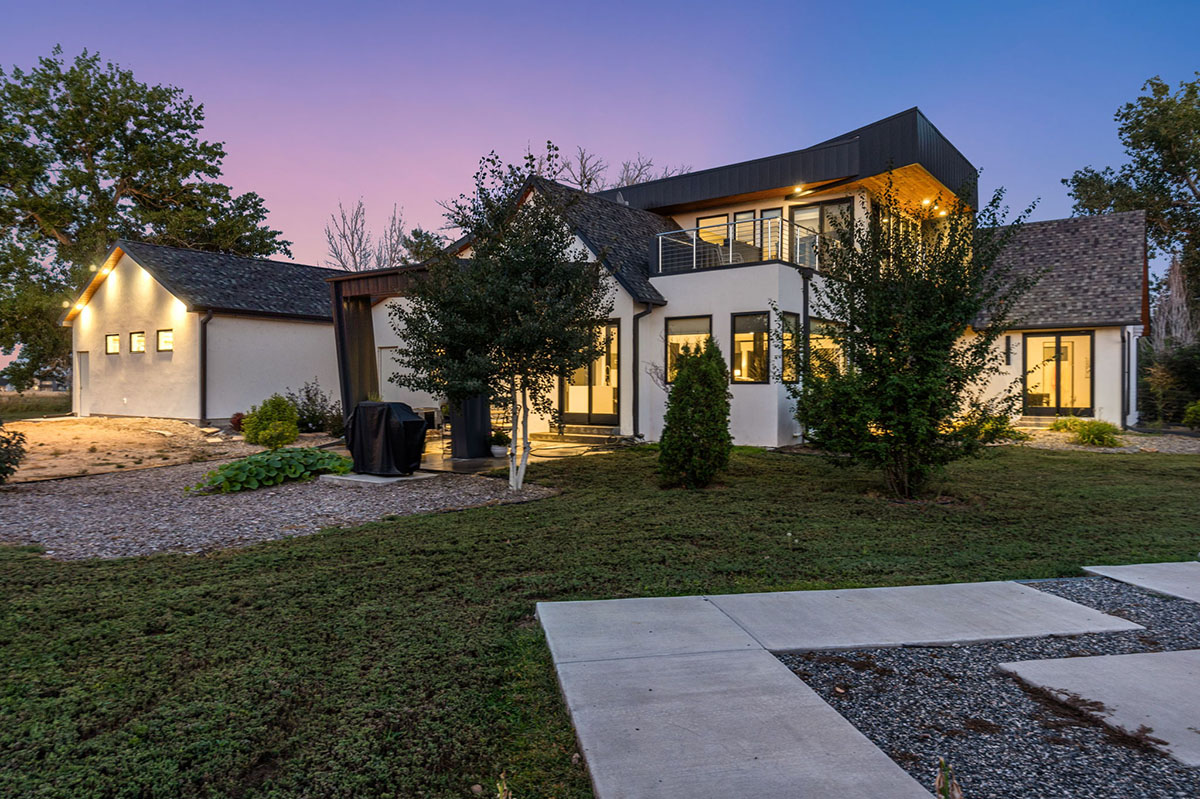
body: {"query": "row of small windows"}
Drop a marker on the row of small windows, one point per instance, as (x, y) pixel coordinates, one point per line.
(164, 341)
(751, 333)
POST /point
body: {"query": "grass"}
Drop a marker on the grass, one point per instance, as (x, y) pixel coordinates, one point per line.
(402, 658)
(14, 406)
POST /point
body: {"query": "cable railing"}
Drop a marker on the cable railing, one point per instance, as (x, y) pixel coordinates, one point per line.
(741, 242)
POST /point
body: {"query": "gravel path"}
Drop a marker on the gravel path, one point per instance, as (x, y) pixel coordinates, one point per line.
(144, 512)
(921, 703)
(1130, 442)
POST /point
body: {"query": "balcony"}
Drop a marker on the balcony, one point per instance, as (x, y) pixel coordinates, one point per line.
(750, 241)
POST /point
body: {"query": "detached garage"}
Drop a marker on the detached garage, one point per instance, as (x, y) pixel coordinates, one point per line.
(200, 336)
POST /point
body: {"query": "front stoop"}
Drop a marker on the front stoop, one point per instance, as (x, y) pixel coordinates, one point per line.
(581, 434)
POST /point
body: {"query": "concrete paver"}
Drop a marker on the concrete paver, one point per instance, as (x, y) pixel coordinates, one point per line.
(1156, 694)
(919, 615)
(719, 725)
(1173, 579)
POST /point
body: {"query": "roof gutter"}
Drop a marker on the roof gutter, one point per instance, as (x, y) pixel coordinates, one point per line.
(204, 320)
(637, 369)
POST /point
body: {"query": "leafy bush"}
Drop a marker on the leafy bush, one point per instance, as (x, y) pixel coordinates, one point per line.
(272, 468)
(12, 451)
(276, 408)
(1089, 432)
(1168, 382)
(1191, 415)
(1000, 428)
(335, 422)
(313, 407)
(695, 441)
(277, 434)
(499, 438)
(235, 421)
(1066, 424)
(1095, 433)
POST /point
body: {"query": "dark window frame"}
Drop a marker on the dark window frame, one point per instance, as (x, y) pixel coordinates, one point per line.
(1025, 367)
(797, 336)
(141, 333)
(667, 340)
(733, 317)
(728, 231)
(158, 339)
(820, 205)
(108, 336)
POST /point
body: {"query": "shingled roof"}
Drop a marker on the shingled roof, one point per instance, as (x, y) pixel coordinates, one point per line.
(1092, 270)
(620, 235)
(235, 284)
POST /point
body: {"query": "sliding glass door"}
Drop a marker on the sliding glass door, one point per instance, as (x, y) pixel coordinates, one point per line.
(1058, 374)
(591, 395)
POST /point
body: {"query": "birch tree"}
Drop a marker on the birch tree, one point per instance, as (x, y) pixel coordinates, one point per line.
(509, 321)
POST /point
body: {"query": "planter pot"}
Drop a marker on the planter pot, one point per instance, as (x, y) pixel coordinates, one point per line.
(499, 452)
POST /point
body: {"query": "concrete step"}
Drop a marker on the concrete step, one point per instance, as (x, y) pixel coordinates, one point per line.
(1033, 422)
(576, 438)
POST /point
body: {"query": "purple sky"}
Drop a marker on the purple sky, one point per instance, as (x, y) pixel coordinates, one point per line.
(395, 102)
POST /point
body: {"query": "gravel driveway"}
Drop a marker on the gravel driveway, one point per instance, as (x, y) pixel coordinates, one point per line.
(144, 512)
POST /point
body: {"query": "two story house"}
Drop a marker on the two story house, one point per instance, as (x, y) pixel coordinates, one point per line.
(722, 251)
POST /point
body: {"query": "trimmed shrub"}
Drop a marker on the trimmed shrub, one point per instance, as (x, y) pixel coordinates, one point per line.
(271, 468)
(1191, 415)
(276, 408)
(695, 441)
(335, 422)
(12, 451)
(499, 438)
(277, 434)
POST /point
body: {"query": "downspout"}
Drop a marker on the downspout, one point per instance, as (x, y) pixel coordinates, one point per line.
(1125, 339)
(204, 366)
(637, 369)
(806, 325)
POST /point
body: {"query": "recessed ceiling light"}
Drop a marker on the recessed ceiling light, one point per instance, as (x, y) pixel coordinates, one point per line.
(926, 202)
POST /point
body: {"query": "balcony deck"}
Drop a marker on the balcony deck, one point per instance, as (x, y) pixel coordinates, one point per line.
(739, 243)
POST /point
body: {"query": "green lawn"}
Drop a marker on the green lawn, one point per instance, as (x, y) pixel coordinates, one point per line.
(15, 406)
(402, 659)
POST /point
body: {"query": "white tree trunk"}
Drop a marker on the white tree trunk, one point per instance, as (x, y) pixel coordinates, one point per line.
(514, 477)
(524, 439)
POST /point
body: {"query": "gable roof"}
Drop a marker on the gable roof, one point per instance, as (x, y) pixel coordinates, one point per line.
(1092, 267)
(621, 236)
(226, 283)
(893, 142)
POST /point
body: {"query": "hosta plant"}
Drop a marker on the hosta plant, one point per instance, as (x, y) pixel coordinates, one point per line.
(271, 468)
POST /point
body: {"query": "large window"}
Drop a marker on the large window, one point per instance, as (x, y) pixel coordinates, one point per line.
(685, 331)
(823, 350)
(112, 343)
(817, 219)
(791, 345)
(166, 340)
(714, 235)
(751, 332)
(137, 341)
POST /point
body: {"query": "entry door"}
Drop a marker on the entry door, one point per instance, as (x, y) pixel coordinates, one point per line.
(1058, 374)
(82, 387)
(591, 395)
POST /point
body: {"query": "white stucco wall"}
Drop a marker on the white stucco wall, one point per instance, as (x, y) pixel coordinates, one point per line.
(135, 384)
(386, 341)
(251, 358)
(760, 414)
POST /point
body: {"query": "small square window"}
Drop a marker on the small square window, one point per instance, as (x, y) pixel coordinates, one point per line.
(137, 341)
(112, 343)
(166, 340)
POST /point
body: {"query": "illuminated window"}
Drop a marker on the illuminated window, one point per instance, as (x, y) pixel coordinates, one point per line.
(749, 357)
(137, 341)
(685, 331)
(714, 229)
(166, 340)
(791, 346)
(827, 356)
(112, 343)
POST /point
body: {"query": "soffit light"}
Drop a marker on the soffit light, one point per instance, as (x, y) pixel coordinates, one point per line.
(926, 202)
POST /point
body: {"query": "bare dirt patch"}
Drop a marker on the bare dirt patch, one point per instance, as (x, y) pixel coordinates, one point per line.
(69, 447)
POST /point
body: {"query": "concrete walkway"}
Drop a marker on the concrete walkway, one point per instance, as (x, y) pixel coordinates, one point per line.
(681, 696)
(1153, 695)
(1180, 580)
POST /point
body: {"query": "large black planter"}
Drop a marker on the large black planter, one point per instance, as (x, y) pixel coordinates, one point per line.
(471, 429)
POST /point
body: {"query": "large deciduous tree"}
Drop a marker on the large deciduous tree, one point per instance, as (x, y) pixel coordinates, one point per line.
(918, 300)
(522, 311)
(351, 246)
(89, 154)
(1160, 131)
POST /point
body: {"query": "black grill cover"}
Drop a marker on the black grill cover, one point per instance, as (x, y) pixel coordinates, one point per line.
(385, 438)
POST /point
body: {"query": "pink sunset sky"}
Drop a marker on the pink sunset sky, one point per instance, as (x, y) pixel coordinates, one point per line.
(395, 102)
